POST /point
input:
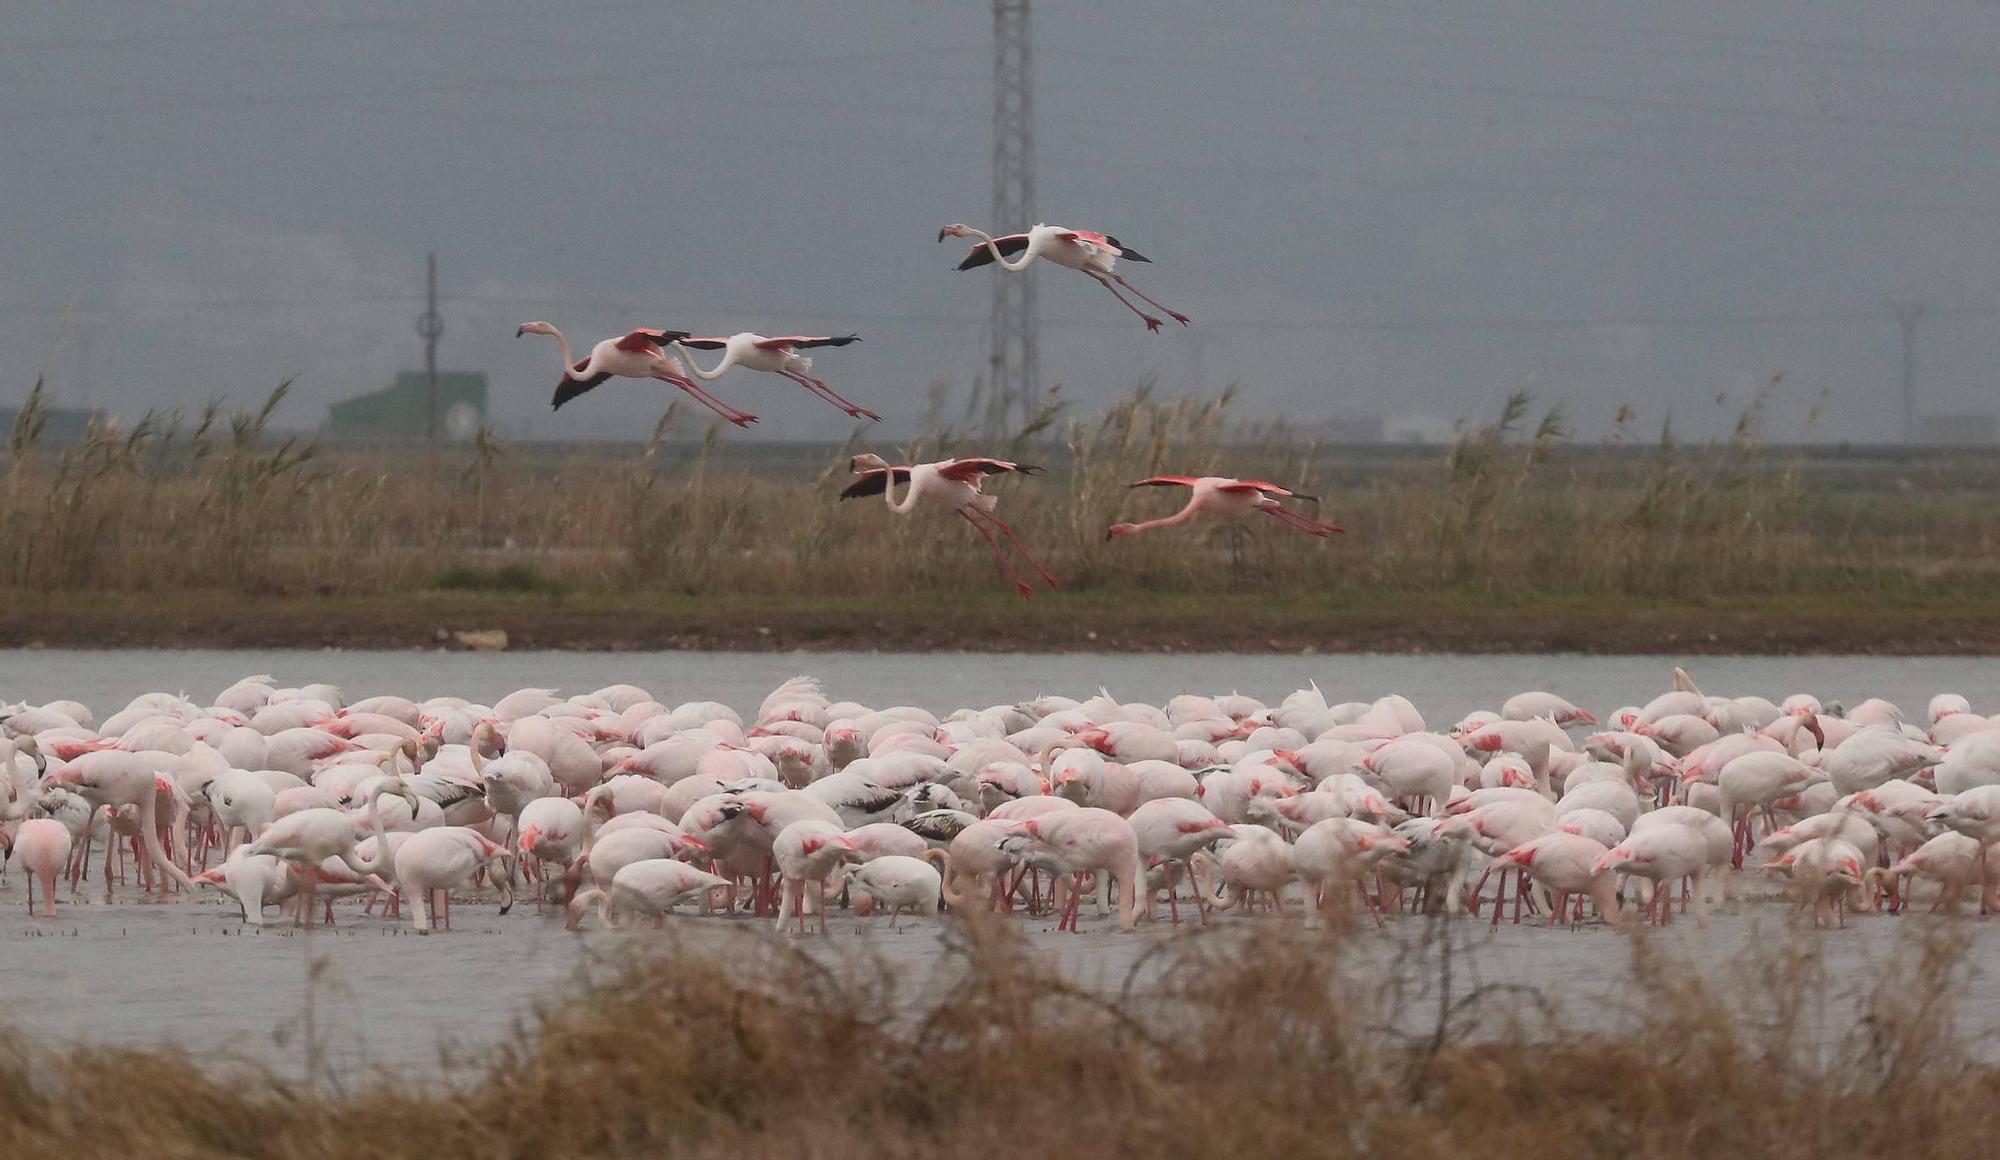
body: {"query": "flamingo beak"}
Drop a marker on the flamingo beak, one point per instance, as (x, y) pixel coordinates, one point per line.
(520, 330)
(944, 233)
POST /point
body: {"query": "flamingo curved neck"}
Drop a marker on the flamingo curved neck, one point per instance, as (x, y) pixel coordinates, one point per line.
(963, 903)
(1027, 252)
(909, 500)
(694, 368)
(1180, 517)
(380, 861)
(568, 356)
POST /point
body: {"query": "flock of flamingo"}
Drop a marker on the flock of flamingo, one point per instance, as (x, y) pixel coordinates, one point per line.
(948, 485)
(613, 805)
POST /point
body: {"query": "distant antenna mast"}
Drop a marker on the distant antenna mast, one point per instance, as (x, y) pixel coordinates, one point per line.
(1016, 360)
(1909, 314)
(430, 325)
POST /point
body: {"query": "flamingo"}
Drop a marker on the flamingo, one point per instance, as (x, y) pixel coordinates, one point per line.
(779, 356)
(1092, 253)
(638, 354)
(651, 886)
(956, 482)
(1224, 496)
(899, 882)
(431, 862)
(42, 846)
(309, 837)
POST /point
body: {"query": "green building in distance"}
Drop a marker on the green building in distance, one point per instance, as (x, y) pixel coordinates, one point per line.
(400, 411)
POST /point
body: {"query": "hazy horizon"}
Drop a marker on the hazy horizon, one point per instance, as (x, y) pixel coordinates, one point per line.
(1391, 208)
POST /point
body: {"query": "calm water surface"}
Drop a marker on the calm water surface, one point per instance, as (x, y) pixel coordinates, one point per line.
(1443, 686)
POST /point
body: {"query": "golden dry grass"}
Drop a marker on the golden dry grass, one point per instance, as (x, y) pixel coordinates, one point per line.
(213, 504)
(1228, 1043)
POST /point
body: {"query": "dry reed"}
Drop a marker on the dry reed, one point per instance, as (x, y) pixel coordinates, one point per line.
(1230, 1042)
(217, 503)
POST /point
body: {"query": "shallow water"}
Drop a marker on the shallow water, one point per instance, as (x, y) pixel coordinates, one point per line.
(188, 972)
(1444, 686)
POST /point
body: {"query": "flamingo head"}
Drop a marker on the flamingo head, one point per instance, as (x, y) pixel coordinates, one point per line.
(1120, 529)
(533, 328)
(866, 461)
(955, 230)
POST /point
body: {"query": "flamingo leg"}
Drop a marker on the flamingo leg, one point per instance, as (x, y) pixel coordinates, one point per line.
(1008, 532)
(1176, 315)
(1306, 524)
(819, 387)
(701, 395)
(1151, 322)
(1021, 585)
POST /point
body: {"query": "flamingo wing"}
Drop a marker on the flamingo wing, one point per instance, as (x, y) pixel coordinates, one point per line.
(806, 341)
(646, 338)
(875, 482)
(703, 343)
(1105, 242)
(1166, 481)
(1008, 245)
(969, 470)
(1242, 485)
(569, 388)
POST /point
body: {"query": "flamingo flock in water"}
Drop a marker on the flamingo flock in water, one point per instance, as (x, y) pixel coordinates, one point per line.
(612, 805)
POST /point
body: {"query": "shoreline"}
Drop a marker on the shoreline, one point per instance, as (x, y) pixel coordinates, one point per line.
(1117, 622)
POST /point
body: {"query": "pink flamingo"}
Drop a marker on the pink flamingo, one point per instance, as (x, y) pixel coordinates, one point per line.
(949, 482)
(1097, 841)
(638, 354)
(42, 846)
(1092, 253)
(1223, 496)
(779, 356)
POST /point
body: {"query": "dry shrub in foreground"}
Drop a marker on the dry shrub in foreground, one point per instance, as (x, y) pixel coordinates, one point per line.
(1225, 1043)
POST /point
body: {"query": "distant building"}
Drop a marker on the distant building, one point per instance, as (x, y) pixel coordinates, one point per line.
(1958, 430)
(65, 424)
(401, 410)
(1418, 429)
(1348, 428)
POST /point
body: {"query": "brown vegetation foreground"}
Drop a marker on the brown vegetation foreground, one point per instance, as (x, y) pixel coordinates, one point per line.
(1225, 1044)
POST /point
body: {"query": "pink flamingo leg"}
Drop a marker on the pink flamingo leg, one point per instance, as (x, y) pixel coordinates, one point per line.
(1176, 315)
(1001, 525)
(1303, 523)
(1151, 322)
(740, 418)
(1021, 585)
(819, 387)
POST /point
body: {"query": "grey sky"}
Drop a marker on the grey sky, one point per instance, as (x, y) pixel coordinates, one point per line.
(1356, 202)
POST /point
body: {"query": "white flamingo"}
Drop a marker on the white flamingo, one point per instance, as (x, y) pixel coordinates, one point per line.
(1092, 253)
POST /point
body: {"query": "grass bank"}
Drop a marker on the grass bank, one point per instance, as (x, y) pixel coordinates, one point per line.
(211, 530)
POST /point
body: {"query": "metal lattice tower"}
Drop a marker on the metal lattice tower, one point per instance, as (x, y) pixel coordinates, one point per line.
(1015, 367)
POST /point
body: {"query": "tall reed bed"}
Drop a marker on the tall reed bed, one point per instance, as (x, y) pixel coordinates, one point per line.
(1514, 505)
(1224, 1043)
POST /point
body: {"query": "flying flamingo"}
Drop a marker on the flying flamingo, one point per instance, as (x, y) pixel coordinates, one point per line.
(1227, 497)
(638, 354)
(1093, 253)
(777, 355)
(955, 482)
